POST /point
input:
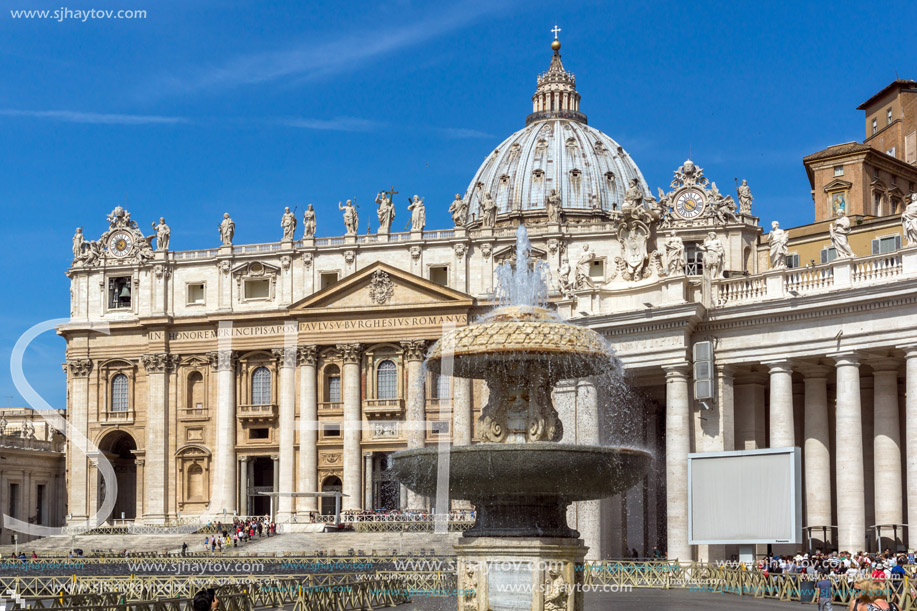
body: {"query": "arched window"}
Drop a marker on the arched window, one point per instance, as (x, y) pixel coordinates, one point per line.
(440, 388)
(332, 384)
(195, 482)
(261, 386)
(195, 397)
(386, 380)
(119, 393)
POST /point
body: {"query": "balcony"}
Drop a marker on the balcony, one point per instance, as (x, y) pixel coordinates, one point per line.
(383, 408)
(117, 417)
(257, 413)
(189, 414)
(331, 408)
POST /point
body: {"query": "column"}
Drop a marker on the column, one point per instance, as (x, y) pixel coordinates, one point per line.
(368, 483)
(887, 443)
(353, 426)
(286, 426)
(275, 460)
(589, 513)
(817, 463)
(242, 505)
(782, 431)
(725, 407)
(749, 411)
(223, 362)
(78, 410)
(308, 427)
(156, 487)
(910, 436)
(416, 402)
(851, 506)
(462, 412)
(677, 447)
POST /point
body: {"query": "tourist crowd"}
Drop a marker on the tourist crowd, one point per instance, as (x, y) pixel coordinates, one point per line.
(239, 532)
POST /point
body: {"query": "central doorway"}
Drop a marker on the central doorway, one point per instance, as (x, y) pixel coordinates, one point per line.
(119, 447)
(262, 481)
(331, 483)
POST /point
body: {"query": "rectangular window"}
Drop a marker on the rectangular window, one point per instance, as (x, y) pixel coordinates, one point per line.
(119, 293)
(257, 289)
(326, 279)
(597, 271)
(891, 152)
(886, 244)
(259, 433)
(331, 430)
(440, 427)
(888, 115)
(440, 275)
(334, 389)
(694, 258)
(792, 260)
(196, 294)
(828, 255)
(838, 170)
(875, 127)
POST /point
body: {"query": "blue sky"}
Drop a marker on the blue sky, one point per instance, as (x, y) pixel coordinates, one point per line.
(207, 107)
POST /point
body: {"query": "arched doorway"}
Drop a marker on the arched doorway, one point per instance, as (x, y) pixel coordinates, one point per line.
(262, 481)
(331, 483)
(118, 447)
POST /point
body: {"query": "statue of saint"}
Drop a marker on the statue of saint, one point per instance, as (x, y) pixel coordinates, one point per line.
(633, 198)
(745, 197)
(909, 221)
(778, 239)
(288, 224)
(563, 279)
(488, 210)
(459, 210)
(714, 256)
(351, 218)
(582, 268)
(308, 222)
(839, 230)
(386, 212)
(163, 232)
(553, 206)
(78, 241)
(418, 214)
(227, 230)
(674, 255)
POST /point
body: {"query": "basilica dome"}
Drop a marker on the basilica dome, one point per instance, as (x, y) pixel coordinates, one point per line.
(556, 149)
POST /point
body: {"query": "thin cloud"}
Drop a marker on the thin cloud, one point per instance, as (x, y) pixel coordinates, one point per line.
(340, 124)
(72, 116)
(310, 60)
(462, 133)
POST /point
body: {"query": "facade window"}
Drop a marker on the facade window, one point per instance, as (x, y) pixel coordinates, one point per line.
(257, 289)
(331, 430)
(439, 275)
(440, 427)
(888, 115)
(259, 433)
(119, 293)
(887, 244)
(333, 384)
(386, 380)
(119, 393)
(597, 270)
(327, 279)
(196, 294)
(875, 127)
(261, 386)
(792, 260)
(828, 254)
(891, 152)
(694, 260)
(195, 391)
(838, 170)
(440, 388)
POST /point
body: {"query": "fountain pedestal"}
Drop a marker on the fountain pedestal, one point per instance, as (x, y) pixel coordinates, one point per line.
(520, 574)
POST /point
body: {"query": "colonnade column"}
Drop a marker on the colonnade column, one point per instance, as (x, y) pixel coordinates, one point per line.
(308, 427)
(353, 426)
(286, 433)
(78, 410)
(817, 462)
(887, 443)
(156, 488)
(416, 402)
(224, 497)
(910, 436)
(851, 506)
(462, 412)
(782, 431)
(677, 448)
(368, 483)
(242, 503)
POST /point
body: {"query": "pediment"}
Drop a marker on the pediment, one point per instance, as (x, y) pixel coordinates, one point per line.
(837, 185)
(254, 269)
(381, 286)
(509, 252)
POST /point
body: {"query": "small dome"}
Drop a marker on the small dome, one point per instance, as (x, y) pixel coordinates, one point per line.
(556, 149)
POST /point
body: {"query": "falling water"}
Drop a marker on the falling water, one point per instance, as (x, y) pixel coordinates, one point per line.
(526, 283)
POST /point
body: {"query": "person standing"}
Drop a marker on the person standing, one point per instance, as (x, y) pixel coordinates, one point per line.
(823, 592)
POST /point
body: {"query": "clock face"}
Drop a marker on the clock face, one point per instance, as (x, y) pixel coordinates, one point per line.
(689, 204)
(120, 244)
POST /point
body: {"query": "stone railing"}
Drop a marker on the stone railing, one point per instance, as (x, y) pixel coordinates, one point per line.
(330, 406)
(837, 275)
(383, 407)
(257, 412)
(24, 443)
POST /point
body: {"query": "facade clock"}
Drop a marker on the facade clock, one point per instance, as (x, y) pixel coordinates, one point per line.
(120, 244)
(690, 204)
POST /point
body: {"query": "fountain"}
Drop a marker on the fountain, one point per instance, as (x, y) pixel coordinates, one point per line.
(520, 478)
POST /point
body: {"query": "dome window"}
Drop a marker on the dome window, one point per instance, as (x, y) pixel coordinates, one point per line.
(571, 143)
(538, 175)
(504, 180)
(610, 179)
(600, 148)
(575, 174)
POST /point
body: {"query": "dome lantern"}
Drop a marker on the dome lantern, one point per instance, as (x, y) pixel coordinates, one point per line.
(555, 95)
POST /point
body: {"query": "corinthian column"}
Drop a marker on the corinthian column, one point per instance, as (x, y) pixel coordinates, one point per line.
(414, 351)
(677, 447)
(851, 506)
(286, 430)
(353, 427)
(156, 487)
(910, 435)
(887, 443)
(78, 410)
(817, 447)
(223, 362)
(783, 433)
(308, 424)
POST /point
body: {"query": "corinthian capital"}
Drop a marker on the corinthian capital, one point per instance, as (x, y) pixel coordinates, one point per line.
(286, 357)
(80, 368)
(414, 349)
(222, 360)
(160, 362)
(351, 353)
(306, 355)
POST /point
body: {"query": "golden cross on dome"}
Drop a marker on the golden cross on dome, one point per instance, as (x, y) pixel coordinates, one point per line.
(556, 30)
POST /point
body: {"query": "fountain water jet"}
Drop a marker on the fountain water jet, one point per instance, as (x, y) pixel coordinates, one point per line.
(520, 478)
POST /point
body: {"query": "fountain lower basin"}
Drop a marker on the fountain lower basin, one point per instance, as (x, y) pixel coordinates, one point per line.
(523, 490)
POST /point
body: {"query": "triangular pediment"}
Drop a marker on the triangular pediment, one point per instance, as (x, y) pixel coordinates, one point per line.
(837, 185)
(380, 286)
